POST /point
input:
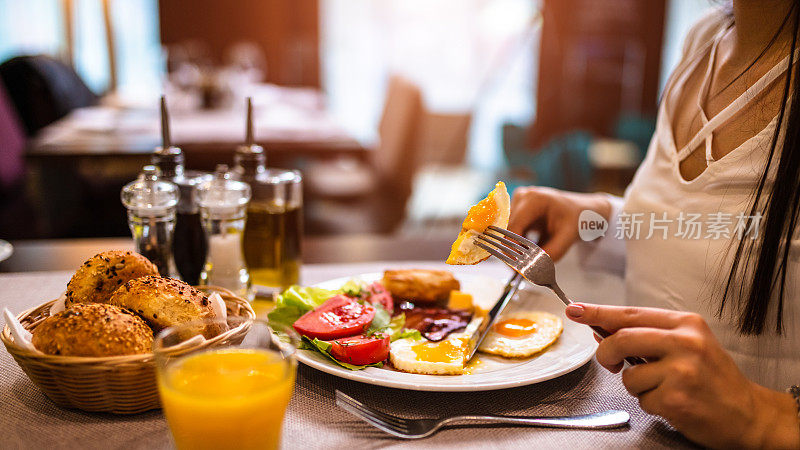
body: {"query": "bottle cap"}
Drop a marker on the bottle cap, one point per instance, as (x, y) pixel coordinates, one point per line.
(148, 196)
(168, 158)
(187, 184)
(250, 157)
(222, 196)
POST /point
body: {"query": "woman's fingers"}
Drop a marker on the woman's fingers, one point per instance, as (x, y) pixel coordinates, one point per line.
(559, 242)
(527, 208)
(643, 342)
(644, 377)
(612, 318)
(533, 208)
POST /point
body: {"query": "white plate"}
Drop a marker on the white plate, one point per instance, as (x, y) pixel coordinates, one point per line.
(574, 348)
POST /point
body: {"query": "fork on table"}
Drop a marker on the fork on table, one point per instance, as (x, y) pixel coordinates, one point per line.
(420, 428)
(534, 264)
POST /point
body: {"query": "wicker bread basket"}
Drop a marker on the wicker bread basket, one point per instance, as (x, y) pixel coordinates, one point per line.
(113, 384)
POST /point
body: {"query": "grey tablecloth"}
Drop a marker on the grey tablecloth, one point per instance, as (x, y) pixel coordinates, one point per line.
(29, 420)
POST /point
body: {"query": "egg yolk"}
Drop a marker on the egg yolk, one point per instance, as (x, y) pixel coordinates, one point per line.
(483, 214)
(445, 351)
(473, 366)
(516, 327)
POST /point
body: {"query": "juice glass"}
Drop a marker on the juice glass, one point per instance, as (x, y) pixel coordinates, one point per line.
(228, 394)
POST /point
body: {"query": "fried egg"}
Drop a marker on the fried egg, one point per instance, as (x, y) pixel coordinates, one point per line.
(446, 357)
(493, 210)
(522, 334)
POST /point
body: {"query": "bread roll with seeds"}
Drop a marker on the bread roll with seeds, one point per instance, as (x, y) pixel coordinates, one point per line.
(165, 302)
(93, 329)
(102, 274)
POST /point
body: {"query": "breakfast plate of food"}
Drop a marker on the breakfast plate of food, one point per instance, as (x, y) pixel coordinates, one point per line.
(416, 328)
(422, 345)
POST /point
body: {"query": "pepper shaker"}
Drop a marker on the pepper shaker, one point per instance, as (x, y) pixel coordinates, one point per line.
(151, 216)
(189, 246)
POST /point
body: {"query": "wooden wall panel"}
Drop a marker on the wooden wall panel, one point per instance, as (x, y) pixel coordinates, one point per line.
(286, 30)
(598, 59)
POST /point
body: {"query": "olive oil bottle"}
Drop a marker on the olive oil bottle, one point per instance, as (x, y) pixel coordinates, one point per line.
(274, 227)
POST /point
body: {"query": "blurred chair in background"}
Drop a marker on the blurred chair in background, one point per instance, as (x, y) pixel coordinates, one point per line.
(352, 196)
(442, 139)
(43, 90)
(637, 129)
(578, 160)
(614, 162)
(12, 145)
(16, 212)
(444, 186)
(563, 162)
(71, 197)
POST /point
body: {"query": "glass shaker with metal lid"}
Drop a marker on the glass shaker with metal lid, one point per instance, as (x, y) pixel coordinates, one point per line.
(151, 206)
(189, 246)
(223, 206)
(249, 159)
(273, 234)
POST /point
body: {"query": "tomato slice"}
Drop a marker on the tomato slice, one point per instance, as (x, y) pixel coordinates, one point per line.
(377, 294)
(340, 316)
(361, 350)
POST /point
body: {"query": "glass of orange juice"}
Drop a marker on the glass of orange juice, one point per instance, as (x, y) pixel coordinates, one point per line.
(228, 393)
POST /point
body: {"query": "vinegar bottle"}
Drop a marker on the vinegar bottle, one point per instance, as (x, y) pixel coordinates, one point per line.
(273, 232)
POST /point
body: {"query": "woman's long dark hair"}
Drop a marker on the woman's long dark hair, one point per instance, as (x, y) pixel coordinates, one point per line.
(758, 273)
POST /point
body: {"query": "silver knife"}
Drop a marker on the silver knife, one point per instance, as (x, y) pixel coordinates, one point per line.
(477, 337)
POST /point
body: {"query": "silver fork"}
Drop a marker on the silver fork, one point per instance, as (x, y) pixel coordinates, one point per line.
(420, 428)
(534, 264)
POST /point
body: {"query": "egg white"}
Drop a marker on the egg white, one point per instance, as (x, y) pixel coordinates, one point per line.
(548, 329)
(404, 359)
(464, 250)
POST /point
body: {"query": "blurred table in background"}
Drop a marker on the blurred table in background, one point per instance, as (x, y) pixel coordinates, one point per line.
(69, 254)
(78, 164)
(290, 123)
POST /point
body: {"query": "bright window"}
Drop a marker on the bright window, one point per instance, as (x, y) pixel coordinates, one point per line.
(37, 26)
(448, 47)
(30, 27)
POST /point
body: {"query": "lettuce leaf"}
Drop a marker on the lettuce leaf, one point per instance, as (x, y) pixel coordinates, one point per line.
(380, 322)
(325, 347)
(306, 298)
(353, 288)
(394, 327)
(296, 301)
(407, 333)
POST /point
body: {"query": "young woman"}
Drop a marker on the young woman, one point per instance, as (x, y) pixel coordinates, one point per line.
(716, 314)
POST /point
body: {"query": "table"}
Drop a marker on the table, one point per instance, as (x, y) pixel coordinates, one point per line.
(69, 254)
(288, 122)
(29, 420)
(86, 157)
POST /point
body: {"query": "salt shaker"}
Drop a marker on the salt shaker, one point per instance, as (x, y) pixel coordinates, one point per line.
(223, 206)
(151, 216)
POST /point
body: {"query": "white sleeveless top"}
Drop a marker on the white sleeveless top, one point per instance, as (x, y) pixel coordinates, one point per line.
(683, 266)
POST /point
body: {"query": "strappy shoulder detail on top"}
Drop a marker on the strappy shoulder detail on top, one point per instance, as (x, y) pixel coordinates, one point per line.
(706, 133)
